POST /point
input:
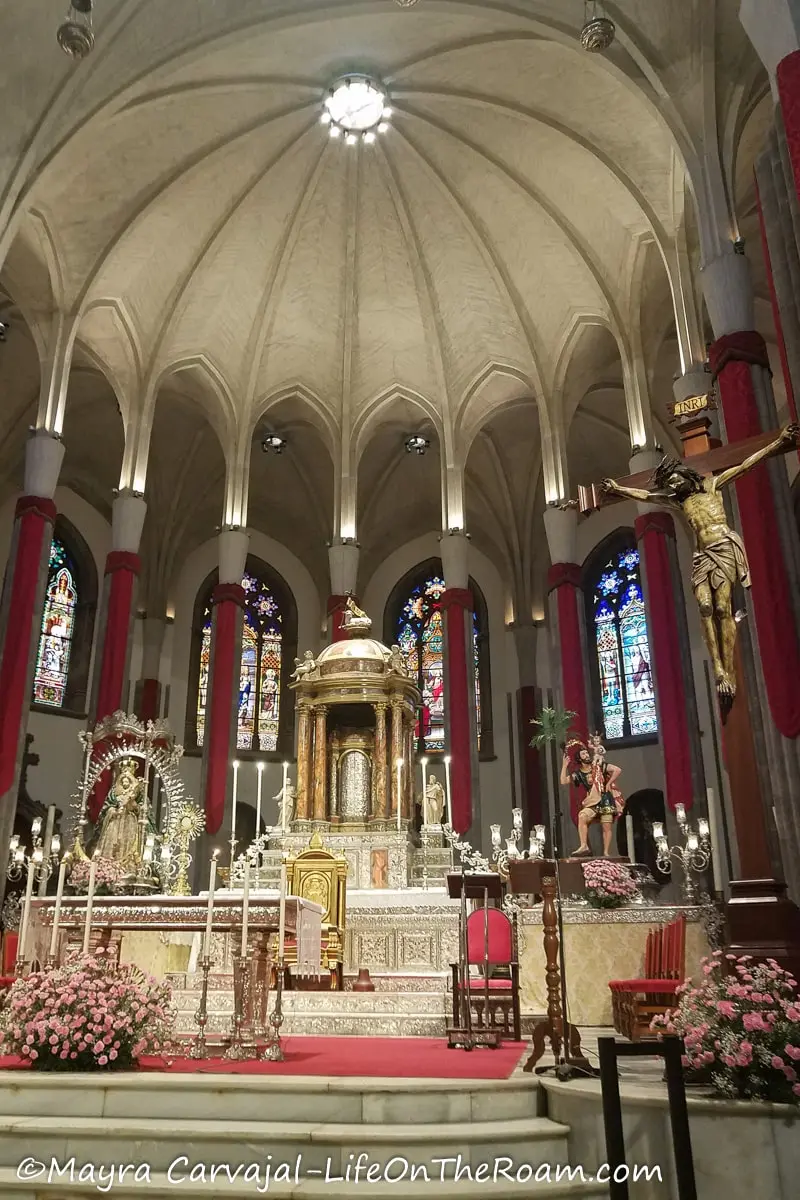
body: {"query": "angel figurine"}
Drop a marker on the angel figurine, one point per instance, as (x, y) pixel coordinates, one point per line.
(304, 666)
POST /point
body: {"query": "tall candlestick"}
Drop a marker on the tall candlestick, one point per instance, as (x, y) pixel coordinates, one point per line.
(629, 833)
(283, 796)
(399, 790)
(47, 846)
(87, 927)
(245, 906)
(233, 809)
(259, 786)
(282, 913)
(210, 910)
(26, 911)
(714, 837)
(88, 742)
(449, 820)
(62, 878)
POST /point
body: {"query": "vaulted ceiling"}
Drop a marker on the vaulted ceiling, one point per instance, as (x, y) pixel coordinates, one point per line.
(476, 273)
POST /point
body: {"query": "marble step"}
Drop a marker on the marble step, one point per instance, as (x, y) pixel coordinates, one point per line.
(335, 1002)
(159, 1187)
(354, 1101)
(325, 1150)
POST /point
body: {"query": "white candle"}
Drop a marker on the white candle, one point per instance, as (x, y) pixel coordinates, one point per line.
(48, 846)
(629, 833)
(714, 837)
(449, 814)
(245, 906)
(283, 796)
(62, 878)
(399, 790)
(26, 912)
(87, 927)
(259, 786)
(282, 913)
(210, 910)
(423, 762)
(233, 808)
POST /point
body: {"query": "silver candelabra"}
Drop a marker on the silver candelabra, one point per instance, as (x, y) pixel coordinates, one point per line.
(44, 864)
(693, 855)
(502, 855)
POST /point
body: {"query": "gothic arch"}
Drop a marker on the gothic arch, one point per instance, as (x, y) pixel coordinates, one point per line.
(65, 677)
(620, 666)
(424, 572)
(286, 617)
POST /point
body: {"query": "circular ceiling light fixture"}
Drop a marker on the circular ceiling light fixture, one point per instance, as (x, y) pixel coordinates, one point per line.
(356, 108)
(273, 442)
(598, 30)
(415, 443)
(74, 35)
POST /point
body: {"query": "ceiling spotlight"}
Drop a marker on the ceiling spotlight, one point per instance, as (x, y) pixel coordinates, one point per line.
(4, 328)
(387, 112)
(405, 3)
(382, 128)
(335, 131)
(598, 30)
(74, 34)
(369, 137)
(738, 245)
(273, 442)
(355, 106)
(415, 443)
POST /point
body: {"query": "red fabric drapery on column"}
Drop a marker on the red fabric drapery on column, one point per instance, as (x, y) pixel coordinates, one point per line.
(531, 773)
(731, 360)
(122, 572)
(565, 580)
(34, 519)
(149, 699)
(337, 606)
(227, 601)
(776, 312)
(458, 606)
(652, 532)
(788, 79)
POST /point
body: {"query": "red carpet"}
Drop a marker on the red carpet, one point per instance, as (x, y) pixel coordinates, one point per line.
(377, 1058)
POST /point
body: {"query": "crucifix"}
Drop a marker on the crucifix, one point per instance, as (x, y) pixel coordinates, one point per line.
(720, 558)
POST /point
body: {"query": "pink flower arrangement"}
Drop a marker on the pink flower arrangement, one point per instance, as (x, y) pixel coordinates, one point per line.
(88, 1015)
(741, 1026)
(109, 876)
(608, 884)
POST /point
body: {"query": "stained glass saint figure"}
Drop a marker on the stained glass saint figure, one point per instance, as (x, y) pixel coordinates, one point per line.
(627, 693)
(58, 627)
(259, 698)
(420, 634)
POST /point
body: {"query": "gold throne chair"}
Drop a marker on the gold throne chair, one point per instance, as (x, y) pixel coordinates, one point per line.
(318, 875)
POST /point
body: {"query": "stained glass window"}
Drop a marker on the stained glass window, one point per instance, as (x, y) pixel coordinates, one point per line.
(420, 637)
(260, 674)
(58, 628)
(627, 695)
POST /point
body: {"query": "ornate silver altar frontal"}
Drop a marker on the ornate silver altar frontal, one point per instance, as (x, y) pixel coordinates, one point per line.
(634, 914)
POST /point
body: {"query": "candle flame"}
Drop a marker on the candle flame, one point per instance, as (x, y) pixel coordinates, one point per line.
(215, 854)
(447, 760)
(260, 767)
(236, 764)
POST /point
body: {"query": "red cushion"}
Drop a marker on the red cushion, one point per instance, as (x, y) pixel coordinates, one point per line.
(645, 985)
(495, 985)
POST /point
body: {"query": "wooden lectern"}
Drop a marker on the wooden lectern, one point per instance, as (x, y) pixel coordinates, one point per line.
(539, 877)
(463, 886)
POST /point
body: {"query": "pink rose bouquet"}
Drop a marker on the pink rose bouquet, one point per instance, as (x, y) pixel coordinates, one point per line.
(608, 884)
(109, 876)
(741, 1026)
(88, 1015)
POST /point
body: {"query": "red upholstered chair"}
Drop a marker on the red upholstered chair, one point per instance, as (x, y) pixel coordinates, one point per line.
(503, 972)
(635, 1002)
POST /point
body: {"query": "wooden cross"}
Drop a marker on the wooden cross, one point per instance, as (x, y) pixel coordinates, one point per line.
(709, 462)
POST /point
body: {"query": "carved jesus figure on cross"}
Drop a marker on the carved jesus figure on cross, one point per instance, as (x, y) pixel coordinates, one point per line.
(720, 559)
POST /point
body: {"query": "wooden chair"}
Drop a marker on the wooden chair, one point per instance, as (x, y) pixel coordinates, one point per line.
(316, 874)
(504, 1010)
(635, 1002)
